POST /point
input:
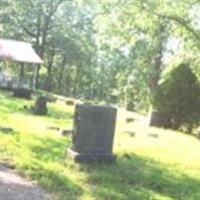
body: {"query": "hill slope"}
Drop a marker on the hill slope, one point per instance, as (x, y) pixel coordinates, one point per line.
(151, 163)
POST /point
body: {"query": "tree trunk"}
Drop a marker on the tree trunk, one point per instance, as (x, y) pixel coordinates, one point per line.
(77, 81)
(37, 69)
(49, 71)
(60, 79)
(157, 60)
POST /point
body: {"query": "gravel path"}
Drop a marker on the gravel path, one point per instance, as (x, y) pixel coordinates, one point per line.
(14, 187)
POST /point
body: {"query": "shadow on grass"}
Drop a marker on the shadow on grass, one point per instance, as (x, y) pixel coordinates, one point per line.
(130, 178)
(138, 178)
(47, 167)
(58, 184)
(52, 150)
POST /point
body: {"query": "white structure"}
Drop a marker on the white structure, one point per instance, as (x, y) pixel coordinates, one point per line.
(17, 51)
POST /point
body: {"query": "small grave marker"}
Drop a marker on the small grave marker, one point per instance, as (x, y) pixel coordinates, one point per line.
(40, 107)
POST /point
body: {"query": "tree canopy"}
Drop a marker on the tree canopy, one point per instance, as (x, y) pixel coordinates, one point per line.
(106, 50)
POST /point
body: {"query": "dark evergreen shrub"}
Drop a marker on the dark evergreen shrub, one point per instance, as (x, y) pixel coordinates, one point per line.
(179, 97)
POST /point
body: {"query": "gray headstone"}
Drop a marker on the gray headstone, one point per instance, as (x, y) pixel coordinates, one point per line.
(40, 107)
(93, 133)
(160, 120)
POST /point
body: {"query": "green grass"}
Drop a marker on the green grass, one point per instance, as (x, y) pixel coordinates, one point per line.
(147, 168)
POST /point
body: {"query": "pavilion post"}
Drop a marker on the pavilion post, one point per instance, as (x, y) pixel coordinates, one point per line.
(21, 76)
(34, 76)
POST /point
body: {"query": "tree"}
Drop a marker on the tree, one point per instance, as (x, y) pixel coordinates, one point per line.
(179, 97)
(99, 49)
(34, 21)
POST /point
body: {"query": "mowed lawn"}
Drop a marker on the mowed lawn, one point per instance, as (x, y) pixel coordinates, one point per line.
(151, 164)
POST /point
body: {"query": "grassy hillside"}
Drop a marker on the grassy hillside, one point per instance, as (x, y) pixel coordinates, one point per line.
(162, 166)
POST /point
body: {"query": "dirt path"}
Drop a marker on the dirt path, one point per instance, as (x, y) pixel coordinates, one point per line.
(14, 187)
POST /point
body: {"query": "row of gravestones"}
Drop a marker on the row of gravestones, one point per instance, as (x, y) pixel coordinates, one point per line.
(93, 130)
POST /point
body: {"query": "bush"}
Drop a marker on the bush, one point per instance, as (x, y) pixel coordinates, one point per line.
(179, 97)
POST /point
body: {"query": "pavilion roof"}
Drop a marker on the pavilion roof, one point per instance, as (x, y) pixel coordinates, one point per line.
(18, 51)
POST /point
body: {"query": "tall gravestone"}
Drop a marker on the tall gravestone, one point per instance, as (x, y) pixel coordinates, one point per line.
(93, 133)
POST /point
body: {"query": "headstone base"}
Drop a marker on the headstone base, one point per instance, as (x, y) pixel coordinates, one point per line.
(83, 157)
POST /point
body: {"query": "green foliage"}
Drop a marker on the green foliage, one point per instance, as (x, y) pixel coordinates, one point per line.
(91, 49)
(179, 96)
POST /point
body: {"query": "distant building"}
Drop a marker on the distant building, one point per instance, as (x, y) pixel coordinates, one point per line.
(20, 52)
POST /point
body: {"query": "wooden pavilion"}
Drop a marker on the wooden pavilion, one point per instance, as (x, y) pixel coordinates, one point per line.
(20, 52)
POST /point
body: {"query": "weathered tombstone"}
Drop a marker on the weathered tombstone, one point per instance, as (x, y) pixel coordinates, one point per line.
(70, 102)
(22, 93)
(159, 120)
(130, 119)
(93, 133)
(130, 106)
(40, 107)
